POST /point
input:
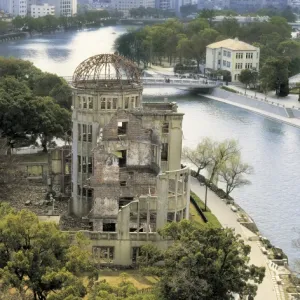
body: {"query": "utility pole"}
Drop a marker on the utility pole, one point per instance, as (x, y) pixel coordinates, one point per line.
(205, 203)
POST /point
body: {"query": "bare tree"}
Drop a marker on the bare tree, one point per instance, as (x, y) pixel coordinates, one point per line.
(221, 153)
(232, 173)
(201, 156)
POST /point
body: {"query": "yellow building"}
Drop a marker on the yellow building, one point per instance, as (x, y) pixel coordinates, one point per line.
(232, 55)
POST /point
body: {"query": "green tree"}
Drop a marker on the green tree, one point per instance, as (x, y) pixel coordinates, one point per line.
(206, 263)
(274, 75)
(50, 121)
(221, 153)
(201, 156)
(208, 14)
(232, 174)
(246, 78)
(35, 257)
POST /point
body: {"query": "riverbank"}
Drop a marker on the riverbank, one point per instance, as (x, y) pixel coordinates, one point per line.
(268, 110)
(269, 289)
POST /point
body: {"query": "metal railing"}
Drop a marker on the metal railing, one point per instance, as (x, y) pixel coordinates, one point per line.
(170, 81)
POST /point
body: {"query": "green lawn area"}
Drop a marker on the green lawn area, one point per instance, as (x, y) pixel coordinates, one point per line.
(212, 220)
(228, 89)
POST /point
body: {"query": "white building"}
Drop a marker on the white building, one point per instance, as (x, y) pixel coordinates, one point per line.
(42, 10)
(65, 8)
(126, 5)
(14, 7)
(232, 55)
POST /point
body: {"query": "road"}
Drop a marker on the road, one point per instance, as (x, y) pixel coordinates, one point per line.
(267, 290)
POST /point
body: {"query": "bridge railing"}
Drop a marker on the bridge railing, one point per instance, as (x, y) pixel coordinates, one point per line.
(169, 81)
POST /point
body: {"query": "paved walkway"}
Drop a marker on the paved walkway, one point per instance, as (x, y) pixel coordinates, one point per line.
(288, 101)
(267, 290)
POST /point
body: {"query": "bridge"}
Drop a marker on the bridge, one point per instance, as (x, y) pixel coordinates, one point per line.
(190, 84)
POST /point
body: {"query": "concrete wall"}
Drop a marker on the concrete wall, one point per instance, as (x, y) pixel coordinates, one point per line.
(274, 109)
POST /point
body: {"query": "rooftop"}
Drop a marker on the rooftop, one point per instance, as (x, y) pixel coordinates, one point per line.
(232, 44)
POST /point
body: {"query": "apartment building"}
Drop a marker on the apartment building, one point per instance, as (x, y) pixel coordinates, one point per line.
(42, 10)
(126, 5)
(232, 55)
(65, 8)
(14, 7)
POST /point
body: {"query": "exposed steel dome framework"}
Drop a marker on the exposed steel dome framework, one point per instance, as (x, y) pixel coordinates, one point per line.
(106, 70)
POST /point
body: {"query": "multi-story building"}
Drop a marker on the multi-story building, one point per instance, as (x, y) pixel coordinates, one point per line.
(125, 6)
(127, 179)
(14, 7)
(232, 55)
(65, 8)
(42, 10)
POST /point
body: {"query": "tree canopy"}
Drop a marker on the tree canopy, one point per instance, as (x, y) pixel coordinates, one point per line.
(32, 103)
(206, 263)
(37, 258)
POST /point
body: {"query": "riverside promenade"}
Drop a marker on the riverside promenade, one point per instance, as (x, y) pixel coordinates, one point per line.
(268, 289)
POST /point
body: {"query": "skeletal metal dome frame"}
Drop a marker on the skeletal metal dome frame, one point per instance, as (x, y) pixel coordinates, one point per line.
(106, 69)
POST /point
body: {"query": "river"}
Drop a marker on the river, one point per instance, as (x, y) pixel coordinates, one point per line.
(272, 148)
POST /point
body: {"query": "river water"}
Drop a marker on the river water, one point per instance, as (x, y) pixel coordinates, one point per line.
(272, 148)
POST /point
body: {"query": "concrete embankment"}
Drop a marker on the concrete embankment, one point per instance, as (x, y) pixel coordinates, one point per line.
(277, 112)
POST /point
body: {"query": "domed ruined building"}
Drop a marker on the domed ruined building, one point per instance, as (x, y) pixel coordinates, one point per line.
(127, 180)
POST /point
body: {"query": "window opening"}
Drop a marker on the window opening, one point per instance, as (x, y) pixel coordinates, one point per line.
(110, 227)
(84, 132)
(115, 102)
(122, 128)
(84, 102)
(90, 165)
(90, 129)
(103, 103)
(83, 164)
(78, 190)
(124, 201)
(123, 158)
(79, 163)
(164, 151)
(123, 183)
(165, 128)
(108, 103)
(79, 132)
(91, 100)
(126, 102)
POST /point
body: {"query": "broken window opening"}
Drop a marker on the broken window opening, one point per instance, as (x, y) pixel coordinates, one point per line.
(103, 254)
(84, 102)
(115, 103)
(108, 103)
(165, 128)
(90, 131)
(91, 104)
(103, 103)
(109, 227)
(79, 163)
(123, 183)
(90, 165)
(132, 102)
(84, 132)
(135, 254)
(83, 164)
(122, 128)
(126, 102)
(123, 159)
(124, 201)
(79, 101)
(79, 132)
(164, 151)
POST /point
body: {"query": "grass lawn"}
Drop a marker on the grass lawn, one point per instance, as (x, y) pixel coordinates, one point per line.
(140, 281)
(228, 89)
(211, 218)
